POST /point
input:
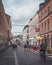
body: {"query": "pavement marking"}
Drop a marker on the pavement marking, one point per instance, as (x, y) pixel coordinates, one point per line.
(16, 61)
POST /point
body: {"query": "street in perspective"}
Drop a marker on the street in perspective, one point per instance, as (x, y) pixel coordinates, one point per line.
(26, 32)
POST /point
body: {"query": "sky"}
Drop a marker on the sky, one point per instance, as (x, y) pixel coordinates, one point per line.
(21, 11)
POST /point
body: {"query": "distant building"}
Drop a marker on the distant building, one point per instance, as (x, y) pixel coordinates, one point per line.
(26, 33)
(9, 25)
(18, 39)
(45, 21)
(20, 36)
(33, 26)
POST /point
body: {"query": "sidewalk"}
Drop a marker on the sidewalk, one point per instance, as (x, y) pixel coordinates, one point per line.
(49, 55)
(37, 52)
(3, 49)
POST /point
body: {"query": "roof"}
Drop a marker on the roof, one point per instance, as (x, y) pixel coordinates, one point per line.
(42, 5)
(25, 27)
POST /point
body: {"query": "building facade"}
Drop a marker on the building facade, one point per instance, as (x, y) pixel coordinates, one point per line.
(9, 26)
(19, 39)
(4, 27)
(33, 24)
(45, 21)
(26, 33)
(3, 21)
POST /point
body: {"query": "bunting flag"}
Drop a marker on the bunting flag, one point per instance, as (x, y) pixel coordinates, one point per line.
(37, 29)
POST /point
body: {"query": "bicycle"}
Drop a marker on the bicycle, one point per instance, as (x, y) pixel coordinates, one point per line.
(42, 56)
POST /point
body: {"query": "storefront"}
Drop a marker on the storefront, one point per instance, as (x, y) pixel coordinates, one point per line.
(39, 39)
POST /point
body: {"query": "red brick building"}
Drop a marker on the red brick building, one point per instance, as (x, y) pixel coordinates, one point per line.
(5, 27)
(45, 21)
(9, 25)
(3, 21)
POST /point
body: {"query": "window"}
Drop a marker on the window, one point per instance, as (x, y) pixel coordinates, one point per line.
(48, 40)
(48, 25)
(48, 9)
(44, 14)
(44, 26)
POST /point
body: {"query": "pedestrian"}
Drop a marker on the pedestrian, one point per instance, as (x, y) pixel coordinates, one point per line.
(28, 45)
(25, 46)
(43, 48)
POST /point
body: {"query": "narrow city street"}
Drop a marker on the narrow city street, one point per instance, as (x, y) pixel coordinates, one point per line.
(20, 57)
(25, 24)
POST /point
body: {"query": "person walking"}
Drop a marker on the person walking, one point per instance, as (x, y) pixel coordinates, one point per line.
(25, 46)
(43, 49)
(28, 45)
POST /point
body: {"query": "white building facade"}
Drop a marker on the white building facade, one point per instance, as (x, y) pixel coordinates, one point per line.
(25, 33)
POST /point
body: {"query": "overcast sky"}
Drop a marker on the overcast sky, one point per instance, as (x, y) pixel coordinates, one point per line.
(21, 11)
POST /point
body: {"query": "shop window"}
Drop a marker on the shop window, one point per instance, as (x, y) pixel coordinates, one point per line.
(48, 41)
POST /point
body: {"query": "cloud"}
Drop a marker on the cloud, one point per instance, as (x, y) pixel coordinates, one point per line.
(20, 21)
(18, 30)
(21, 10)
